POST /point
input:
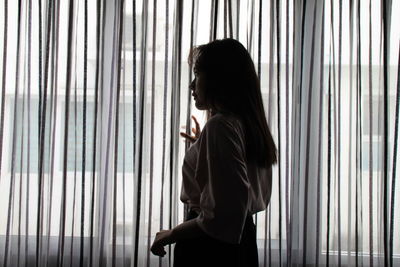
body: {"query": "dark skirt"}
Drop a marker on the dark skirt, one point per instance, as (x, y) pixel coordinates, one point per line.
(206, 251)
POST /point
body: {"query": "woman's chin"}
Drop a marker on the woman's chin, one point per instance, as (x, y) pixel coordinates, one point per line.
(199, 106)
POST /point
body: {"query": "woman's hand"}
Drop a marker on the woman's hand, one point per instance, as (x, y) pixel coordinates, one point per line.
(196, 132)
(163, 238)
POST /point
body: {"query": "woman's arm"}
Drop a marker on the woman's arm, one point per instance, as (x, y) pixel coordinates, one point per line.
(185, 230)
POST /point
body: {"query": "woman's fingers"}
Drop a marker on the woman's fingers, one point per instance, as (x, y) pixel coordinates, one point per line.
(162, 238)
(188, 137)
(197, 126)
(158, 251)
(196, 131)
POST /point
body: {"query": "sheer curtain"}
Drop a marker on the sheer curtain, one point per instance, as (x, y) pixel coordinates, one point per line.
(95, 93)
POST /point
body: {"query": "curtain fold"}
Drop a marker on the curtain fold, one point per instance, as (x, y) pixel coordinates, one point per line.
(94, 94)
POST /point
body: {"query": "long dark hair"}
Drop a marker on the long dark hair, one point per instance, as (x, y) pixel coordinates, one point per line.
(233, 86)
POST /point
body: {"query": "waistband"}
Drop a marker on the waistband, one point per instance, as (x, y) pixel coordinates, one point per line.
(193, 213)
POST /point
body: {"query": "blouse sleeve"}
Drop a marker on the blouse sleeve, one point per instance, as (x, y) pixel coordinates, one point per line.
(225, 192)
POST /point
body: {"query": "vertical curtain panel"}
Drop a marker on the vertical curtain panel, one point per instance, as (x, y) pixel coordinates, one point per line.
(94, 94)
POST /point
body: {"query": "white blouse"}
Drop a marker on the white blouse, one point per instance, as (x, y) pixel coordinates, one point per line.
(219, 184)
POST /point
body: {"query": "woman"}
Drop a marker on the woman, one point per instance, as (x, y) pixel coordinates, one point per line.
(227, 169)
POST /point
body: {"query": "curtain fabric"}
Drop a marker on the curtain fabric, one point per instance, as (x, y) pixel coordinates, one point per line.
(94, 94)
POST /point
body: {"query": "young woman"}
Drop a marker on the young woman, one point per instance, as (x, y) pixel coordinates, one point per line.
(227, 169)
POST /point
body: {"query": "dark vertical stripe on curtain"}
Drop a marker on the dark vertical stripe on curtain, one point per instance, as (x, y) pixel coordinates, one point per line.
(237, 18)
(124, 259)
(60, 255)
(212, 13)
(259, 59)
(134, 78)
(20, 176)
(96, 107)
(42, 152)
(40, 65)
(386, 44)
(28, 68)
(320, 125)
(309, 110)
(42, 131)
(230, 18)
(52, 124)
(265, 238)
(12, 179)
(339, 136)
(99, 237)
(278, 92)
(358, 143)
(115, 184)
(153, 60)
(394, 170)
(357, 133)
(139, 173)
(84, 137)
(332, 97)
(164, 131)
(29, 130)
(250, 34)
(3, 79)
(84, 134)
(349, 213)
(287, 121)
(214, 20)
(75, 132)
(225, 18)
(120, 24)
(329, 156)
(134, 88)
(335, 160)
(53, 114)
(22, 139)
(299, 94)
(293, 129)
(269, 118)
(269, 238)
(75, 140)
(135, 108)
(371, 220)
(271, 57)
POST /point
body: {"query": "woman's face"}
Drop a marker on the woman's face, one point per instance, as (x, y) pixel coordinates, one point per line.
(197, 86)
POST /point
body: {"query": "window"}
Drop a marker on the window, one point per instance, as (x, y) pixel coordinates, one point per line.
(75, 137)
(21, 135)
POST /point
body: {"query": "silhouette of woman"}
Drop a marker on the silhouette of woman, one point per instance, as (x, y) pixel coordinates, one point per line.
(226, 174)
